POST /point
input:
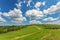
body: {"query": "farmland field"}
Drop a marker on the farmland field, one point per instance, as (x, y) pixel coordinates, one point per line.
(33, 32)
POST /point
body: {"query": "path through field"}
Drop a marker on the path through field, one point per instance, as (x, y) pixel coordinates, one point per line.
(38, 28)
(46, 36)
(22, 36)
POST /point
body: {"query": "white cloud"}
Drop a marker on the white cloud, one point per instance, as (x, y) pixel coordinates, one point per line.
(38, 4)
(35, 22)
(15, 15)
(55, 22)
(0, 13)
(29, 1)
(50, 19)
(2, 20)
(34, 13)
(19, 4)
(53, 9)
(19, 20)
(43, 3)
(24, 1)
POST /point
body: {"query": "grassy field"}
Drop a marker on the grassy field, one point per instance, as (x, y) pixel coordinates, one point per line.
(33, 32)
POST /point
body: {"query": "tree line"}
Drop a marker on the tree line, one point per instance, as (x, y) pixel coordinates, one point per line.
(5, 29)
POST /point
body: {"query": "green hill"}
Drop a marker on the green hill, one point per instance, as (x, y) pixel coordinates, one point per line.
(33, 32)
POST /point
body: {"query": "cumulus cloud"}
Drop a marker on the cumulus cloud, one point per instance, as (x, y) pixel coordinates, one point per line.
(38, 4)
(2, 20)
(34, 13)
(19, 4)
(55, 22)
(19, 20)
(35, 22)
(53, 9)
(50, 19)
(15, 15)
(0, 13)
(29, 1)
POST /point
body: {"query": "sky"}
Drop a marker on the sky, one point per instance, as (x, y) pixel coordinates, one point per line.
(23, 12)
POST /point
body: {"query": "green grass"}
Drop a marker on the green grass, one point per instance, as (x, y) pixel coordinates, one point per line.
(32, 33)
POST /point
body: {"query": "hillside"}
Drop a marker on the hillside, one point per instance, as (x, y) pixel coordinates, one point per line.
(33, 32)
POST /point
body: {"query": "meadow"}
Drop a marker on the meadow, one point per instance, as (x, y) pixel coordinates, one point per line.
(30, 32)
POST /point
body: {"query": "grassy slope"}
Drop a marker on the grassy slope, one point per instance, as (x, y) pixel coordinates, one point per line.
(36, 34)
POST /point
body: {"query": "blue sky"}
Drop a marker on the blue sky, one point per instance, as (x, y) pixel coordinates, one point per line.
(20, 12)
